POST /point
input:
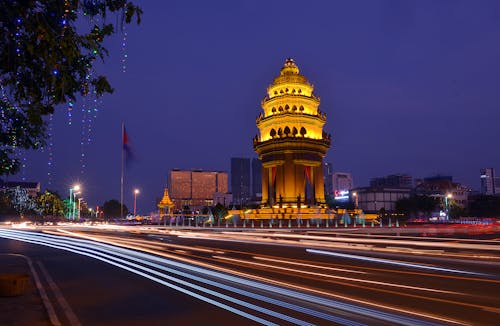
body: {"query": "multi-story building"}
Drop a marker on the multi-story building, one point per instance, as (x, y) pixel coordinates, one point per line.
(490, 183)
(222, 182)
(373, 199)
(393, 180)
(196, 189)
(240, 180)
(441, 187)
(180, 184)
(341, 182)
(256, 179)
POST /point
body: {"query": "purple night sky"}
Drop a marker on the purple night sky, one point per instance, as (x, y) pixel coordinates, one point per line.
(407, 86)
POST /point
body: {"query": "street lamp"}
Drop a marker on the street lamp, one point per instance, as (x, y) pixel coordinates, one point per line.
(446, 200)
(70, 203)
(72, 192)
(79, 207)
(136, 192)
(355, 194)
(74, 201)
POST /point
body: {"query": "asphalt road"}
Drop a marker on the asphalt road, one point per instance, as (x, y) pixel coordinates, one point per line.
(136, 275)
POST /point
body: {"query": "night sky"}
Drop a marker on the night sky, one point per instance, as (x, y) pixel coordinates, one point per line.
(407, 86)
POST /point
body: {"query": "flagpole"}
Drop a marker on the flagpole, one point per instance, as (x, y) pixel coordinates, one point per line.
(121, 180)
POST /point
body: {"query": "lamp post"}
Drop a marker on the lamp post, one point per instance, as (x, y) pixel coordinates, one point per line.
(79, 207)
(136, 192)
(446, 201)
(70, 203)
(72, 193)
(74, 202)
(355, 194)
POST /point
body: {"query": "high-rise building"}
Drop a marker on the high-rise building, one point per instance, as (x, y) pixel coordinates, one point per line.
(393, 180)
(291, 142)
(328, 176)
(341, 182)
(256, 179)
(196, 189)
(490, 183)
(240, 180)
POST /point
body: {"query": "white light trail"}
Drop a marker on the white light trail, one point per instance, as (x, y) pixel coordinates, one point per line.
(122, 264)
(336, 277)
(69, 244)
(283, 261)
(391, 262)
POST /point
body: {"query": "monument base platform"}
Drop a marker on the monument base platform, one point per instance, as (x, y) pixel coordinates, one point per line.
(285, 213)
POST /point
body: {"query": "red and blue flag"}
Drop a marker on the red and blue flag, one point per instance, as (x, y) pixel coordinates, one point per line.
(129, 156)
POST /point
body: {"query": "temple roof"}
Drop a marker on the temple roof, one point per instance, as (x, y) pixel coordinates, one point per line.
(289, 68)
(289, 73)
(166, 201)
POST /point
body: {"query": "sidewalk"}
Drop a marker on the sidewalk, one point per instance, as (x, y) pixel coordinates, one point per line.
(27, 308)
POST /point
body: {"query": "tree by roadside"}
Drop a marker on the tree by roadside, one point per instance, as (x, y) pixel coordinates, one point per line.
(22, 203)
(6, 208)
(219, 212)
(484, 206)
(112, 209)
(413, 205)
(46, 57)
(50, 204)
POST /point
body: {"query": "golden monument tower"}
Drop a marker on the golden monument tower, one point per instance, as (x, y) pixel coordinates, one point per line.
(291, 142)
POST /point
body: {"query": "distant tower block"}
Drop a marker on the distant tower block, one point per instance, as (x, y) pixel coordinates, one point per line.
(291, 142)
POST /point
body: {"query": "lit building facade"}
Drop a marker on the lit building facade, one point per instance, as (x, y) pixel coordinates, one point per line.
(441, 187)
(222, 182)
(373, 199)
(341, 181)
(196, 189)
(291, 142)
